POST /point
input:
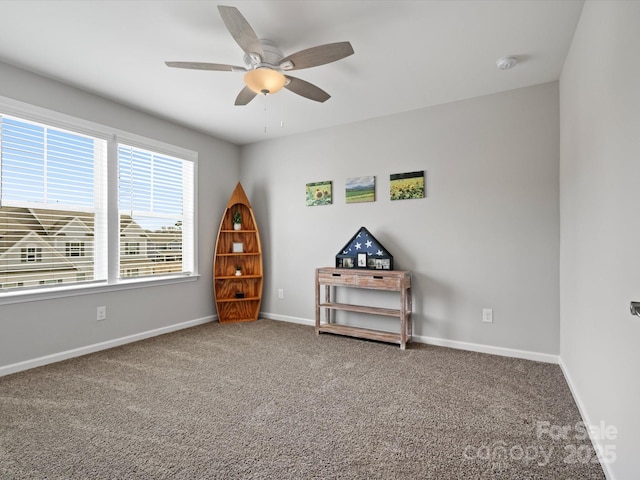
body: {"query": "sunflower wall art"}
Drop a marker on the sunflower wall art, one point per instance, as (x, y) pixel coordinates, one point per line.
(319, 193)
(404, 186)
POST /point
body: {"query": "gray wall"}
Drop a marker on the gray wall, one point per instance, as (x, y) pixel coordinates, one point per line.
(486, 235)
(48, 327)
(600, 223)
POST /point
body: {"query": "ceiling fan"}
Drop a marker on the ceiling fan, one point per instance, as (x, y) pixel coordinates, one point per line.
(264, 62)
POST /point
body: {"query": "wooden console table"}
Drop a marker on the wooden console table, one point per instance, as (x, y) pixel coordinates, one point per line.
(390, 280)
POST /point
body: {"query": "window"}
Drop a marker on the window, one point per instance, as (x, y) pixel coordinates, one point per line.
(74, 249)
(54, 208)
(48, 193)
(131, 272)
(31, 254)
(131, 248)
(155, 197)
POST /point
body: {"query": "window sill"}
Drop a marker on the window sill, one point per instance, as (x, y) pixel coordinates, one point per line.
(75, 290)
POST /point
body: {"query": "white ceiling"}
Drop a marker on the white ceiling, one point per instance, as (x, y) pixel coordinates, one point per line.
(408, 55)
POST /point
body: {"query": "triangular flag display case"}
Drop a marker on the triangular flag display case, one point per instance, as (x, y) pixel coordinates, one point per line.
(364, 251)
(237, 265)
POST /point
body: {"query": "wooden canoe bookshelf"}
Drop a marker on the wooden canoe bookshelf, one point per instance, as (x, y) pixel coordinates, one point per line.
(238, 297)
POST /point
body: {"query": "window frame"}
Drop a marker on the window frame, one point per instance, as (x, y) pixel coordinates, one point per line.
(113, 137)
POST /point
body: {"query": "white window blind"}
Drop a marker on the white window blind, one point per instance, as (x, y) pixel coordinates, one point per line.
(56, 221)
(52, 209)
(156, 206)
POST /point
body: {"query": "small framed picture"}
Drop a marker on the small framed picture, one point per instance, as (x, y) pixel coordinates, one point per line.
(319, 193)
(347, 262)
(405, 186)
(237, 247)
(360, 189)
(362, 260)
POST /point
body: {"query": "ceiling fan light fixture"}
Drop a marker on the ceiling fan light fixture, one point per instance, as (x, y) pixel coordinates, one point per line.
(265, 80)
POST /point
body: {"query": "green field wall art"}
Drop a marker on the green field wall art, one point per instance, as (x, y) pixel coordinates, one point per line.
(360, 189)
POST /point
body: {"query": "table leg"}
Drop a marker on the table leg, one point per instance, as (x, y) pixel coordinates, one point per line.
(317, 305)
(327, 299)
(403, 318)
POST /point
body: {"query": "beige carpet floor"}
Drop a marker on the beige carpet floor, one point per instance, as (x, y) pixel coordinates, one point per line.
(271, 400)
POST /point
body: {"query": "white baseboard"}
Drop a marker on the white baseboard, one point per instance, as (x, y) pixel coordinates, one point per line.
(490, 349)
(77, 352)
(285, 318)
(441, 342)
(585, 418)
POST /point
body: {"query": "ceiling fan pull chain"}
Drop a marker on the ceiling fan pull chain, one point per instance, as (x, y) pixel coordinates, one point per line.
(265, 114)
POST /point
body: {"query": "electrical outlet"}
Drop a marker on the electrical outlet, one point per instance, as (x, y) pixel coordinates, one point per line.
(281, 293)
(101, 313)
(487, 315)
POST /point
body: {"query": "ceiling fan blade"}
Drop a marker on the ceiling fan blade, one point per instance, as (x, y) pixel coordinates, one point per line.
(205, 66)
(240, 30)
(245, 96)
(312, 57)
(306, 89)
